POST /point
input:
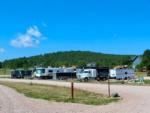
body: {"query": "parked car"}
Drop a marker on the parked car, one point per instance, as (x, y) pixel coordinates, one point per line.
(20, 73)
(17, 74)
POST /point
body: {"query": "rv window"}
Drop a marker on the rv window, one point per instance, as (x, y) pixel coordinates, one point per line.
(104, 71)
(16, 72)
(39, 71)
(87, 72)
(50, 71)
(22, 72)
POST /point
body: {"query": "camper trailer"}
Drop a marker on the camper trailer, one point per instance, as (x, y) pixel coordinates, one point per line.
(122, 73)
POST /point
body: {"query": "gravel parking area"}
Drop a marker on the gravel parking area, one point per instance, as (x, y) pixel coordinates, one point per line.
(135, 100)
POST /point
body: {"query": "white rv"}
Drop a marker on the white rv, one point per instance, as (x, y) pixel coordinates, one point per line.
(46, 72)
(55, 73)
(122, 73)
(86, 74)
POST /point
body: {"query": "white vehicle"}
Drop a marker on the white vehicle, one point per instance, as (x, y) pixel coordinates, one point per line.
(86, 74)
(54, 73)
(46, 72)
(122, 73)
(112, 73)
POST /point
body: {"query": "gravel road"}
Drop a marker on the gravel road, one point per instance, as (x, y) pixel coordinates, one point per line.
(135, 100)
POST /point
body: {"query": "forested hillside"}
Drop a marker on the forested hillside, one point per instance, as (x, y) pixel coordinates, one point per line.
(69, 58)
(145, 64)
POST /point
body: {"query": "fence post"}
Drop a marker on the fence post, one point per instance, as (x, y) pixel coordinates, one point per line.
(108, 86)
(72, 90)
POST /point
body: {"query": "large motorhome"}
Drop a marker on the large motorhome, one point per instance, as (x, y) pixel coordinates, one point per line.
(55, 73)
(45, 73)
(122, 73)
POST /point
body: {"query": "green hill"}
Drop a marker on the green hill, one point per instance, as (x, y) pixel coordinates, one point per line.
(69, 58)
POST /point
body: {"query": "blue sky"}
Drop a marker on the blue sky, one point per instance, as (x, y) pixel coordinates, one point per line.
(31, 27)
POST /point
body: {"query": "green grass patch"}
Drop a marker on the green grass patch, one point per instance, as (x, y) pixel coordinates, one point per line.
(59, 94)
(147, 82)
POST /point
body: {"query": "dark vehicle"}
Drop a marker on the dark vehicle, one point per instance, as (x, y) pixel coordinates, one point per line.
(148, 73)
(28, 74)
(21, 74)
(66, 75)
(102, 74)
(17, 74)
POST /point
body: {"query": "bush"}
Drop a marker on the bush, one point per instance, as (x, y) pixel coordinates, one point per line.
(115, 95)
(122, 82)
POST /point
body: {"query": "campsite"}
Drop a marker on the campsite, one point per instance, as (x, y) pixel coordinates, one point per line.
(74, 56)
(74, 87)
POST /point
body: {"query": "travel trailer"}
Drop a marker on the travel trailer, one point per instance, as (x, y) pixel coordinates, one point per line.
(122, 73)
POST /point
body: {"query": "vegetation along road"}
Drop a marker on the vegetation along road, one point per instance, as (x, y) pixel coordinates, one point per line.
(135, 100)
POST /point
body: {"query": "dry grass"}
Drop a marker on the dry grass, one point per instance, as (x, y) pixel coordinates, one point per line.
(59, 94)
(141, 74)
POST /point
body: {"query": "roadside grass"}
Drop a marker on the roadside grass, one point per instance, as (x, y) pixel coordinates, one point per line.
(5, 73)
(59, 94)
(147, 82)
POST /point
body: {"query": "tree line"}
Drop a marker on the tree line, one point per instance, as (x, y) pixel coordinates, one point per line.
(68, 58)
(145, 64)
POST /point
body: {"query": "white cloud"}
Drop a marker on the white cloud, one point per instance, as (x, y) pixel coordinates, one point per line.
(33, 31)
(30, 38)
(2, 50)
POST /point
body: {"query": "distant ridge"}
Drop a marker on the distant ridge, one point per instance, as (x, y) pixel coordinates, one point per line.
(69, 58)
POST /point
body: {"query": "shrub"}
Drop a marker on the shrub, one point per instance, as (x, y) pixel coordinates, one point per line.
(115, 95)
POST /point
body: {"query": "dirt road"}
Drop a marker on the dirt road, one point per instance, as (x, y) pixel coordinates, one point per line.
(135, 100)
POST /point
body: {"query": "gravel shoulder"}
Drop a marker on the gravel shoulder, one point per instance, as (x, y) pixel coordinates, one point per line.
(135, 100)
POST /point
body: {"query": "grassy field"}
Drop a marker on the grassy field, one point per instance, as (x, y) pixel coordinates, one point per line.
(59, 94)
(147, 82)
(5, 72)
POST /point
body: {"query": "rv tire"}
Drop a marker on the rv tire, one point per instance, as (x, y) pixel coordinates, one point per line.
(86, 79)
